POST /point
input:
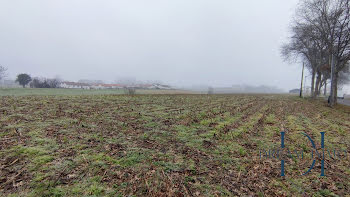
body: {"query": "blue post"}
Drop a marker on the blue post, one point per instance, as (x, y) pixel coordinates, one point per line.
(282, 146)
(322, 146)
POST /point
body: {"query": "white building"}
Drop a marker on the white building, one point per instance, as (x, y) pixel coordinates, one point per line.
(74, 85)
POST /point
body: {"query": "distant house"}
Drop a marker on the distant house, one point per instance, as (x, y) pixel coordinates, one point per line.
(145, 86)
(294, 91)
(75, 85)
(107, 86)
(112, 86)
(160, 86)
(97, 86)
(148, 86)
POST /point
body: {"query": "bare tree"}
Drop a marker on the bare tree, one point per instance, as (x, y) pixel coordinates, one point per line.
(321, 35)
(2, 72)
(53, 83)
(130, 91)
(306, 44)
(45, 83)
(331, 20)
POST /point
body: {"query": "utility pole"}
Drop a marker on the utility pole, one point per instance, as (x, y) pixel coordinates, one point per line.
(305, 86)
(301, 84)
(325, 84)
(331, 98)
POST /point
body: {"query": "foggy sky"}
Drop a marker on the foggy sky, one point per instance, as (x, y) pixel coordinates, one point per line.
(179, 42)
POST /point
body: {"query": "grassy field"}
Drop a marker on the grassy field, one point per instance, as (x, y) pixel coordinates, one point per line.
(168, 145)
(71, 92)
(54, 91)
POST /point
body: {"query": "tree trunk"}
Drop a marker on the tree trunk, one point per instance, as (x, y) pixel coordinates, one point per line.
(325, 88)
(318, 85)
(321, 85)
(319, 89)
(301, 84)
(336, 89)
(313, 84)
(334, 85)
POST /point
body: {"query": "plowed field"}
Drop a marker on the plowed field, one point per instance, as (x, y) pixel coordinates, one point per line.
(168, 145)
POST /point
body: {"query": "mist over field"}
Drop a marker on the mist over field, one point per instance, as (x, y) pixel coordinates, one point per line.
(174, 98)
(180, 43)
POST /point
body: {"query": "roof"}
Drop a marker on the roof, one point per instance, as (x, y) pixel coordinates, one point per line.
(111, 85)
(75, 83)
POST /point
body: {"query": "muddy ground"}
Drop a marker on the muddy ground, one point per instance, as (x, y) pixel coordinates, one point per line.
(170, 145)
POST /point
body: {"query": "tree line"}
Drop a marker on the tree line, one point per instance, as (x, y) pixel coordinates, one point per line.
(320, 37)
(36, 82)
